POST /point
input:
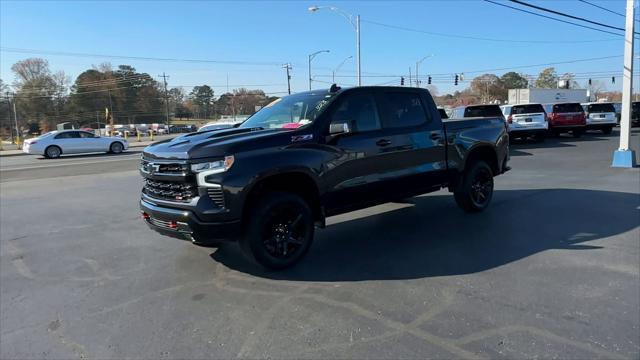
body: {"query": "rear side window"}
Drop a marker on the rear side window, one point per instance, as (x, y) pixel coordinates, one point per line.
(567, 108)
(358, 111)
(483, 111)
(527, 109)
(443, 114)
(404, 109)
(68, 135)
(600, 108)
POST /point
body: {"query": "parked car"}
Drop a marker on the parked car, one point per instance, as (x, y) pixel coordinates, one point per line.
(600, 116)
(122, 131)
(618, 107)
(56, 143)
(268, 184)
(526, 120)
(635, 113)
(217, 126)
(566, 118)
(477, 111)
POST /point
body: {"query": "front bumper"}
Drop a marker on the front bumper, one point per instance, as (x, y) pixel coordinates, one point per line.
(183, 224)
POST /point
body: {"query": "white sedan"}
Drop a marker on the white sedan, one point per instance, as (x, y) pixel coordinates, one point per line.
(55, 143)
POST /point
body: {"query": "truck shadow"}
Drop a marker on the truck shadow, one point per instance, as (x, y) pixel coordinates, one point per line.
(432, 237)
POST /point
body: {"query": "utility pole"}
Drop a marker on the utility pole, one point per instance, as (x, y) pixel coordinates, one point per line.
(409, 76)
(110, 109)
(624, 156)
(15, 119)
(359, 67)
(166, 98)
(288, 67)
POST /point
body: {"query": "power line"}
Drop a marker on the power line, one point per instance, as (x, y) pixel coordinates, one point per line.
(566, 15)
(603, 8)
(483, 38)
(552, 18)
(62, 53)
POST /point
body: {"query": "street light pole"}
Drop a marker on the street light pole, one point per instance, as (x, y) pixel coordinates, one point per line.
(311, 56)
(338, 68)
(355, 22)
(417, 65)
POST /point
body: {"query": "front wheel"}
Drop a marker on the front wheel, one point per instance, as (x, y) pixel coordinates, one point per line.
(116, 148)
(279, 231)
(475, 190)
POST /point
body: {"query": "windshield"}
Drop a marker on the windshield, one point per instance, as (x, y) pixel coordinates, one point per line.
(290, 112)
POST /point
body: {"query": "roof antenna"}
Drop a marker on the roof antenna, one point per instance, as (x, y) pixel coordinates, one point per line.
(334, 88)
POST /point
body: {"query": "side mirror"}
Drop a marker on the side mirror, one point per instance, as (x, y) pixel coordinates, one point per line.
(339, 128)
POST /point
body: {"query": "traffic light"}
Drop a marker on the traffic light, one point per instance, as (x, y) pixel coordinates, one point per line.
(589, 82)
(402, 81)
(455, 82)
(613, 79)
(429, 80)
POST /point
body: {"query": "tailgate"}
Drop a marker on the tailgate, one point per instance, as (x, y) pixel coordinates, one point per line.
(575, 118)
(529, 119)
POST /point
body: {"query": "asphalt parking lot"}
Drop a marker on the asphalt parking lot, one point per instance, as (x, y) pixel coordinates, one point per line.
(552, 269)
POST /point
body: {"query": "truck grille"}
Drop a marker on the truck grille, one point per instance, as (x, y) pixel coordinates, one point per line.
(216, 195)
(170, 190)
(158, 168)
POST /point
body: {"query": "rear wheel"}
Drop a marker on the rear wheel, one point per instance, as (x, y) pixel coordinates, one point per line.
(116, 148)
(475, 190)
(279, 231)
(52, 152)
(607, 130)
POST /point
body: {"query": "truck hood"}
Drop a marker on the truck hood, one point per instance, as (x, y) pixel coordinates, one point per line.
(208, 144)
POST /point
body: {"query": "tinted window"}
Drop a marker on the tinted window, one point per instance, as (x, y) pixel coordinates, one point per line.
(483, 111)
(68, 135)
(567, 108)
(600, 108)
(84, 134)
(635, 106)
(404, 109)
(443, 114)
(527, 109)
(358, 111)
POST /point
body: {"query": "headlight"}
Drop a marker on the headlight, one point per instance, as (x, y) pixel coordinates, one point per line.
(215, 166)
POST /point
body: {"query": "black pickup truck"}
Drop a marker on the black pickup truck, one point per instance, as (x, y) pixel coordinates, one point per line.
(270, 181)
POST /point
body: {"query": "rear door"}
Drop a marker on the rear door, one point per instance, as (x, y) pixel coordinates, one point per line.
(67, 141)
(416, 149)
(603, 113)
(528, 115)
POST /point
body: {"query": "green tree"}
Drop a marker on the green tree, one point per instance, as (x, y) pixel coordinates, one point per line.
(513, 80)
(202, 98)
(548, 79)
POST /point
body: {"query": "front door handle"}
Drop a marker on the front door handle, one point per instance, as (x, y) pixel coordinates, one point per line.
(383, 142)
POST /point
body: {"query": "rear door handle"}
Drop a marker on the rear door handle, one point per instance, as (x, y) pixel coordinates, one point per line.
(383, 142)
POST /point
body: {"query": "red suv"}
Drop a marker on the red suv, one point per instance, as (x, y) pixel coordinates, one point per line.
(566, 117)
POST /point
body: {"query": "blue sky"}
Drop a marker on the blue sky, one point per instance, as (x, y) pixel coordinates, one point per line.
(279, 32)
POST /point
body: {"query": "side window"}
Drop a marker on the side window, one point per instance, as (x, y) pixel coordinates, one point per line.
(85, 135)
(358, 111)
(404, 109)
(64, 135)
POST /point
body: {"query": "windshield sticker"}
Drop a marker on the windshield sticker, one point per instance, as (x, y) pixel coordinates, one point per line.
(297, 138)
(322, 103)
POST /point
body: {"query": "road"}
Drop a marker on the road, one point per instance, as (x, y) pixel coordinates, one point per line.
(550, 270)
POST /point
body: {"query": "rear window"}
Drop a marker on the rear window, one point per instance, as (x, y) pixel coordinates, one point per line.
(567, 108)
(527, 109)
(600, 108)
(483, 111)
(635, 106)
